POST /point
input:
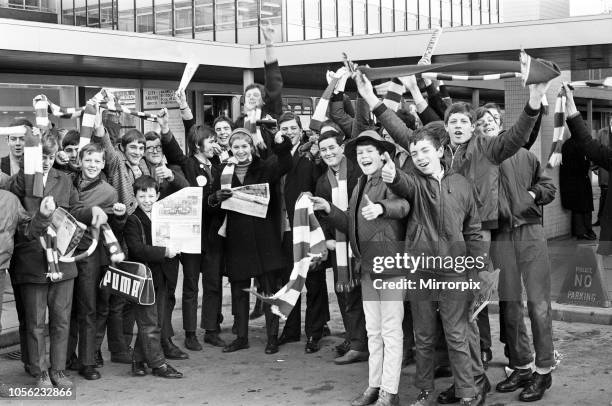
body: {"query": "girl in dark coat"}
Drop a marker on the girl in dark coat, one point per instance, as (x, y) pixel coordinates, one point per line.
(576, 191)
(252, 246)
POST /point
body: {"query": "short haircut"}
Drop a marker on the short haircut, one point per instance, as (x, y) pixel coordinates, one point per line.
(131, 136)
(481, 111)
(144, 183)
(368, 141)
(72, 137)
(49, 144)
(437, 129)
(224, 118)
(460, 107)
(339, 137)
(288, 116)
(242, 134)
(92, 147)
(20, 121)
(261, 88)
(424, 133)
(336, 127)
(152, 136)
(197, 135)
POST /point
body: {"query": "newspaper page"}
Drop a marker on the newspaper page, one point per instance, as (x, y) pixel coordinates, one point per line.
(251, 200)
(177, 221)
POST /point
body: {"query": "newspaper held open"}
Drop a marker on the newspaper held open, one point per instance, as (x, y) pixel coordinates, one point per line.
(177, 221)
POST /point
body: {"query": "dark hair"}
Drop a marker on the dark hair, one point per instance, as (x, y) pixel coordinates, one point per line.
(339, 137)
(336, 127)
(92, 147)
(223, 118)
(437, 129)
(261, 88)
(144, 183)
(482, 110)
(459, 107)
(152, 136)
(131, 136)
(368, 141)
(424, 133)
(20, 121)
(72, 137)
(197, 135)
(288, 116)
(49, 144)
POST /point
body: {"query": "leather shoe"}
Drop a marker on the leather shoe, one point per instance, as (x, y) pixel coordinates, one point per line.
(171, 351)
(486, 356)
(312, 345)
(387, 399)
(343, 348)
(447, 397)
(166, 371)
(536, 388)
(479, 400)
(138, 368)
(366, 398)
(192, 343)
(352, 356)
(89, 372)
(99, 359)
(518, 379)
(237, 344)
(214, 339)
(272, 345)
(425, 398)
(285, 338)
(442, 371)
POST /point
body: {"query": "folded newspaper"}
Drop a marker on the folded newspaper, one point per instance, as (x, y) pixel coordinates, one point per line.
(488, 290)
(251, 200)
(69, 231)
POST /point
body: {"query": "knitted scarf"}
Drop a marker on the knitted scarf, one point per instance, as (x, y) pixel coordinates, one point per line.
(250, 123)
(554, 158)
(308, 242)
(346, 279)
(32, 164)
(320, 113)
(226, 183)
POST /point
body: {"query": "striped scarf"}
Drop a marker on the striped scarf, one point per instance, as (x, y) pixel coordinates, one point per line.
(226, 183)
(531, 70)
(32, 164)
(554, 158)
(250, 123)
(320, 113)
(393, 94)
(308, 242)
(344, 255)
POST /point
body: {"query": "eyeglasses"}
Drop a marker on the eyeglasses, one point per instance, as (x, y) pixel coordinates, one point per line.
(154, 149)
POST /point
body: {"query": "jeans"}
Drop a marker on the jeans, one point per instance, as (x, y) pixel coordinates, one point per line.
(383, 319)
(148, 340)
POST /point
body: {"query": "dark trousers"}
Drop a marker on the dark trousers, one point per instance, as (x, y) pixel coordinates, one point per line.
(165, 286)
(484, 328)
(210, 267)
(602, 200)
(109, 317)
(454, 317)
(148, 340)
(581, 223)
(351, 309)
(129, 322)
(522, 253)
(317, 301)
(83, 317)
(57, 298)
(408, 329)
(269, 282)
(21, 317)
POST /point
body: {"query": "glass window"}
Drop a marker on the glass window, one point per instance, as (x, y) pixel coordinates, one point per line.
(271, 11)
(106, 14)
(163, 17)
(344, 18)
(204, 19)
(80, 13)
(125, 15)
(413, 15)
(435, 13)
(373, 16)
(68, 12)
(386, 11)
(467, 13)
(295, 20)
(182, 18)
(93, 13)
(400, 15)
(494, 12)
(247, 22)
(312, 19)
(424, 20)
(359, 15)
(144, 16)
(456, 13)
(225, 21)
(476, 12)
(328, 16)
(446, 13)
(484, 4)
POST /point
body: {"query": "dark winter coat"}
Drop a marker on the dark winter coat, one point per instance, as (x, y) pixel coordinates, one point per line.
(574, 180)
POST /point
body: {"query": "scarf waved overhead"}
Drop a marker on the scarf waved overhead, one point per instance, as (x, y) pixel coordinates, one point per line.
(531, 70)
(344, 255)
(320, 114)
(250, 123)
(554, 158)
(308, 243)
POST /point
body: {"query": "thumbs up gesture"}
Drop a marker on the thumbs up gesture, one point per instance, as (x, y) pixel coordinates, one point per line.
(388, 170)
(371, 210)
